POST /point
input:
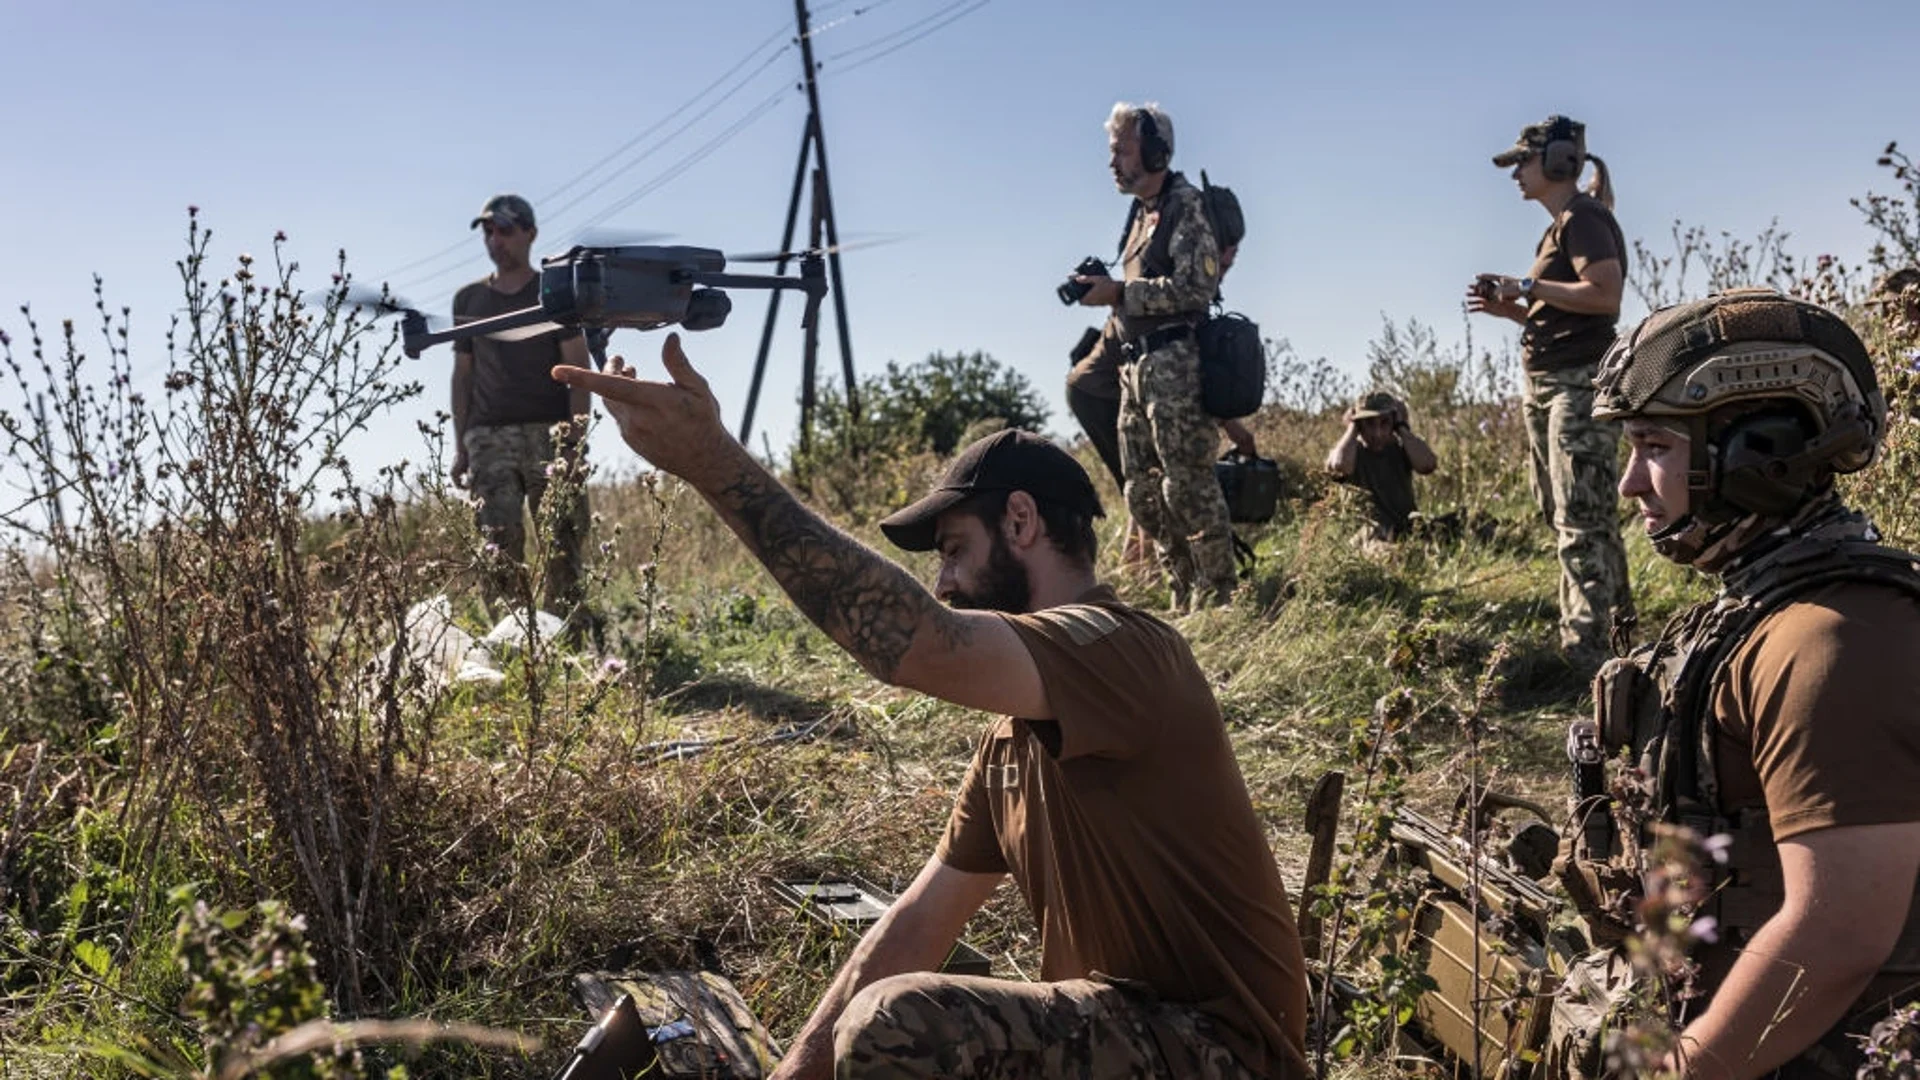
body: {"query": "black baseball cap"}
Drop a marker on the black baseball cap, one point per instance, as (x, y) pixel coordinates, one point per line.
(1010, 460)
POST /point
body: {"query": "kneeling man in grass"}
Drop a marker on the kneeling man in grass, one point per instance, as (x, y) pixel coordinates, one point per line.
(1107, 787)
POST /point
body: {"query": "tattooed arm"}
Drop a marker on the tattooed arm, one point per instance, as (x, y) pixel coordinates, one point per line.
(865, 602)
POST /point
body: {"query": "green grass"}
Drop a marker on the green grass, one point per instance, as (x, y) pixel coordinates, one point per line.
(523, 853)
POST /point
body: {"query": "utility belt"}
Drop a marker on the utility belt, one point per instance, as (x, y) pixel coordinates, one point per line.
(1153, 341)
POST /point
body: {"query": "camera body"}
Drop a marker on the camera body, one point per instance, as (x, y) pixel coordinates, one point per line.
(1071, 291)
(1487, 287)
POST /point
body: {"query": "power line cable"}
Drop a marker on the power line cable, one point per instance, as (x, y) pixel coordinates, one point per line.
(709, 88)
(907, 29)
(425, 282)
(844, 19)
(674, 170)
(696, 118)
(864, 61)
(463, 243)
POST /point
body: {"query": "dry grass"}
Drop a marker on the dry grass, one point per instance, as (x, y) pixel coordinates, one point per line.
(493, 847)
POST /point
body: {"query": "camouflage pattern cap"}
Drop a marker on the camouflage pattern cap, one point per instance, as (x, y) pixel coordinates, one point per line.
(1375, 403)
(506, 210)
(1535, 137)
(1894, 285)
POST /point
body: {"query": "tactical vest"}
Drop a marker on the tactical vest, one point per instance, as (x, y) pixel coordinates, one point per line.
(1156, 260)
(1654, 705)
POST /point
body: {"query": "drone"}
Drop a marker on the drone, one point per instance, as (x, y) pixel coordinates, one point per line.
(600, 289)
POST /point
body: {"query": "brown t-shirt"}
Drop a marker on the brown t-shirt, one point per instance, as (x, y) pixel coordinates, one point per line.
(1387, 475)
(1818, 716)
(512, 380)
(1819, 712)
(1126, 824)
(1554, 338)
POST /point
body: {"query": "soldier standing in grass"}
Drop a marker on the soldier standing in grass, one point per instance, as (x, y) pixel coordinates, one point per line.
(1782, 716)
(1568, 304)
(1108, 790)
(512, 424)
(1172, 267)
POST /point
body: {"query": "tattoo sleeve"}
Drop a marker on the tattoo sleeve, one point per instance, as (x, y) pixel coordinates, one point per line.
(865, 602)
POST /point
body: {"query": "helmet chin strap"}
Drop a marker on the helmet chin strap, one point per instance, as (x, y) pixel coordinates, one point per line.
(1682, 540)
(1687, 536)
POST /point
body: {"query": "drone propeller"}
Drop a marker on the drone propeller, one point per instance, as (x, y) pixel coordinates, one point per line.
(376, 303)
(802, 253)
(601, 236)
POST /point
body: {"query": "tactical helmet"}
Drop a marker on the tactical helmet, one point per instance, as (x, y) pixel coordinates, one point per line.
(1776, 395)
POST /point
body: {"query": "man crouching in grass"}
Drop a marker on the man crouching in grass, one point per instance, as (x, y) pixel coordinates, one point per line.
(1107, 788)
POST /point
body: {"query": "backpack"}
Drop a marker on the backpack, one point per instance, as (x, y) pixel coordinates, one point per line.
(1233, 365)
(1233, 359)
(1223, 212)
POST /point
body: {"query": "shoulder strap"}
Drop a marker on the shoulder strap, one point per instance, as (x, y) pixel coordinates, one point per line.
(1126, 231)
(1693, 786)
(1169, 213)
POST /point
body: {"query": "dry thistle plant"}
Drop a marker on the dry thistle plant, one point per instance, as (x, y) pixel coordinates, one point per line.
(242, 674)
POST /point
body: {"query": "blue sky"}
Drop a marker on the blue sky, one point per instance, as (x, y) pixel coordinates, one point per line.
(1357, 136)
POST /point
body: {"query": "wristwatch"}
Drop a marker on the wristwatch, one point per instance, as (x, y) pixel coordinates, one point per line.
(1526, 289)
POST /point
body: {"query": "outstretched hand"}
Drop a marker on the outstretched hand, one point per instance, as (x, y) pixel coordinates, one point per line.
(675, 425)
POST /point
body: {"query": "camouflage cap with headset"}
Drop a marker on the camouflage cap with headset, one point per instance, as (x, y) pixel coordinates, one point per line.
(1776, 395)
(1560, 142)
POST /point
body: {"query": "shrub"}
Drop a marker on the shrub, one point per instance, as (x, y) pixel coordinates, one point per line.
(927, 406)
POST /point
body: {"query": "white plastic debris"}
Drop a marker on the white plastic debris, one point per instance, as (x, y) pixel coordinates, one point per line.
(445, 652)
(510, 634)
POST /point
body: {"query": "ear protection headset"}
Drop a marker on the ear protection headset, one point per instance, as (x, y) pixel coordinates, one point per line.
(1155, 152)
(1565, 150)
(1770, 462)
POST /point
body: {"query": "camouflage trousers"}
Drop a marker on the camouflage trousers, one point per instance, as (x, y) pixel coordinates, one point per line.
(510, 467)
(1575, 478)
(920, 1026)
(1167, 447)
(1595, 999)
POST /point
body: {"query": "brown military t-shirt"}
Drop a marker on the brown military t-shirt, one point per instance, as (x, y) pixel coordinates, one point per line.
(512, 380)
(1819, 712)
(1387, 475)
(1126, 824)
(1818, 715)
(1554, 338)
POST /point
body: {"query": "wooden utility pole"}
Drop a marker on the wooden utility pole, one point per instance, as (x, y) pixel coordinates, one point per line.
(813, 145)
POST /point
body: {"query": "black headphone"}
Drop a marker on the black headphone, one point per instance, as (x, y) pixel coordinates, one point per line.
(1565, 150)
(1770, 462)
(1155, 152)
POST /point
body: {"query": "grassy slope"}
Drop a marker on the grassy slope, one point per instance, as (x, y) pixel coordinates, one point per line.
(537, 848)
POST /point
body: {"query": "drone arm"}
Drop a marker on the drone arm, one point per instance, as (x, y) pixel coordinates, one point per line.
(721, 280)
(414, 342)
(813, 284)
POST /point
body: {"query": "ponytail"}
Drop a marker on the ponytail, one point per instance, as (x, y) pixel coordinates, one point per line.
(1601, 186)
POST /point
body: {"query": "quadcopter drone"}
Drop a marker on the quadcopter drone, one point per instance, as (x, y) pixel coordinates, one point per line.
(600, 289)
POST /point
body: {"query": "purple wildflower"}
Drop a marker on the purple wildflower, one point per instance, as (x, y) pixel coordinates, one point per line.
(1717, 847)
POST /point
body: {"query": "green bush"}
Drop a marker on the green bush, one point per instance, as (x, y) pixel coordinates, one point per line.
(926, 406)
